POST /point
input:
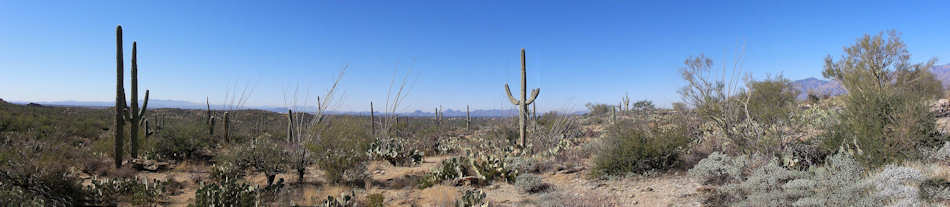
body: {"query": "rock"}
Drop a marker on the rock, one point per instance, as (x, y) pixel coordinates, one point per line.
(148, 165)
(941, 108)
(648, 189)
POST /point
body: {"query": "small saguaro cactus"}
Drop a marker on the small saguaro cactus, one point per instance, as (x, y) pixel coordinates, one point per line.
(523, 102)
(372, 119)
(290, 125)
(468, 119)
(210, 118)
(227, 127)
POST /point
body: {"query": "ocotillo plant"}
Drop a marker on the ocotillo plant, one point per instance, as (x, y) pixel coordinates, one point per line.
(524, 102)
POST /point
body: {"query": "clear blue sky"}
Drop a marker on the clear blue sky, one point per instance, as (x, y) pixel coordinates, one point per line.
(460, 52)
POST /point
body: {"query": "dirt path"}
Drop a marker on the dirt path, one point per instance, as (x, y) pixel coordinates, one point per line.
(663, 190)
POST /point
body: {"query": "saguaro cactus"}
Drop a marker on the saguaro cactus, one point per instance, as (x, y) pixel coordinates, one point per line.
(227, 127)
(136, 115)
(523, 102)
(290, 125)
(119, 99)
(123, 113)
(210, 118)
(468, 119)
(372, 119)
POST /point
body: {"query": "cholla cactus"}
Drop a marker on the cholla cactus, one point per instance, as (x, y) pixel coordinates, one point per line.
(523, 102)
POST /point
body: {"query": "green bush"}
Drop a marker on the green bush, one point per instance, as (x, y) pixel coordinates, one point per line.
(340, 150)
(631, 149)
(180, 141)
(771, 100)
(31, 175)
(598, 109)
(886, 114)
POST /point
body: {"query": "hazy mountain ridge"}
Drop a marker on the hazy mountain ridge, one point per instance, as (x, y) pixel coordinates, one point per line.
(158, 103)
(834, 88)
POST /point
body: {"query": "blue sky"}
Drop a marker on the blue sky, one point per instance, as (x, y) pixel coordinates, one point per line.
(458, 52)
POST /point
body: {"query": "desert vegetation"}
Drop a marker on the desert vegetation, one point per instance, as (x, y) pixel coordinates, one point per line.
(734, 140)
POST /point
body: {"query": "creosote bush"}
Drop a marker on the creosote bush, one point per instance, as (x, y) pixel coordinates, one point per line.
(629, 148)
(531, 183)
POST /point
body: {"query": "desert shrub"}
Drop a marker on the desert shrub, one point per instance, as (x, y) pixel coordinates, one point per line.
(771, 100)
(531, 183)
(718, 168)
(261, 155)
(181, 141)
(340, 150)
(31, 175)
(396, 151)
(935, 190)
(886, 114)
(841, 181)
(941, 154)
(138, 192)
(630, 149)
(598, 109)
(375, 200)
(226, 193)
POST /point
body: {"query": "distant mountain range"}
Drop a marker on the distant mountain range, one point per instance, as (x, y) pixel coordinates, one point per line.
(834, 88)
(158, 103)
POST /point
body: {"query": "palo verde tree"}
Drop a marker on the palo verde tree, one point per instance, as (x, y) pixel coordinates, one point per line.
(523, 102)
(886, 114)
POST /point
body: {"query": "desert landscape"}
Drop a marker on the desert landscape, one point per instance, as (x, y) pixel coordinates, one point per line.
(874, 130)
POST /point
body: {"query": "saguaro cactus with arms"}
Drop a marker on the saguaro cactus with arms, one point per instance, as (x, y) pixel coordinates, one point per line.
(523, 102)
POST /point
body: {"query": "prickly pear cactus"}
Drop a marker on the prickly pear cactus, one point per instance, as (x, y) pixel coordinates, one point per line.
(345, 200)
(472, 198)
(396, 151)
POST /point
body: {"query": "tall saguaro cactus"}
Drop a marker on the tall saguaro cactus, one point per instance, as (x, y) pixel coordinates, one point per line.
(134, 116)
(119, 99)
(523, 102)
